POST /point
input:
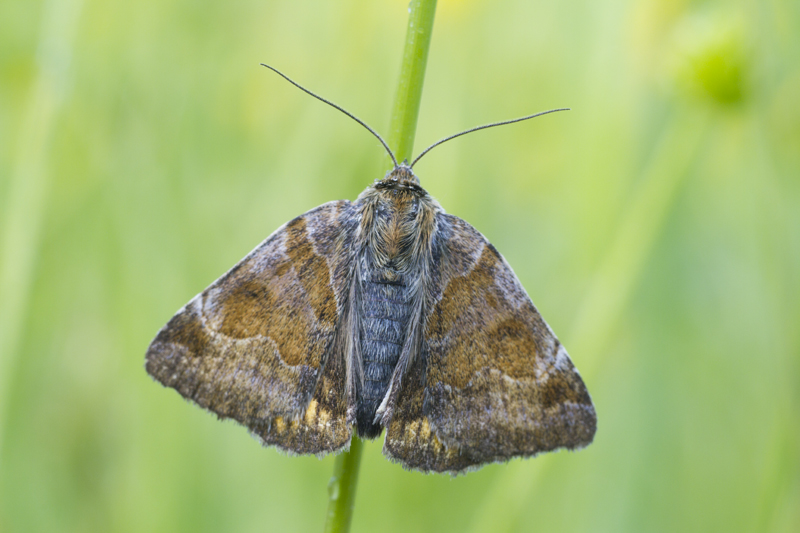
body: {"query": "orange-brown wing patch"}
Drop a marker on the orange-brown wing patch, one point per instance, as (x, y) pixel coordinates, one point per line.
(497, 383)
(257, 345)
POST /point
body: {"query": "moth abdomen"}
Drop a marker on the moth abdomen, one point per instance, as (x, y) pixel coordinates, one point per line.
(386, 310)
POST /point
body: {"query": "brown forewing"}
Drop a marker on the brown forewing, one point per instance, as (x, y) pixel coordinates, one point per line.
(257, 345)
(493, 381)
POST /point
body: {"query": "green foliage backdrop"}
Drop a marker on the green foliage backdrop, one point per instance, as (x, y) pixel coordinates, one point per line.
(656, 226)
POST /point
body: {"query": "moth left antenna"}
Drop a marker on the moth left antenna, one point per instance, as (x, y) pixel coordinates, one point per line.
(340, 108)
(476, 128)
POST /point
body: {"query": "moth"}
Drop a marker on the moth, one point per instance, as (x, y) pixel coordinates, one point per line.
(381, 313)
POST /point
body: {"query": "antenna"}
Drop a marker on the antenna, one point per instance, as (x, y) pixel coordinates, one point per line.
(349, 114)
(476, 128)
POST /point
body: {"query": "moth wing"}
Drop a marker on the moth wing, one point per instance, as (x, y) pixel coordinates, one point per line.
(492, 382)
(258, 344)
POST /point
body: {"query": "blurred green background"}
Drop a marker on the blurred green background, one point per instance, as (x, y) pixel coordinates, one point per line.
(656, 226)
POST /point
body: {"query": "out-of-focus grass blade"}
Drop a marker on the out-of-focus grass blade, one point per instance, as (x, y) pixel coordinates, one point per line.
(23, 209)
(608, 296)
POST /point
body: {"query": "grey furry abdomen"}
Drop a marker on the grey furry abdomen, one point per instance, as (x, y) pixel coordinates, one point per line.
(386, 310)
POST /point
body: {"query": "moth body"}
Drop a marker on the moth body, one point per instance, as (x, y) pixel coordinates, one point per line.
(389, 223)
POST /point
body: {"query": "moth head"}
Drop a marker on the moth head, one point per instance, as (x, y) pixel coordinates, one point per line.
(400, 177)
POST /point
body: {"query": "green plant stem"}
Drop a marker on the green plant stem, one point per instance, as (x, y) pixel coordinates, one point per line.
(412, 73)
(342, 487)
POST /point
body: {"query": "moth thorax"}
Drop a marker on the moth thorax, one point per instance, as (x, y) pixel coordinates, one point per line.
(394, 230)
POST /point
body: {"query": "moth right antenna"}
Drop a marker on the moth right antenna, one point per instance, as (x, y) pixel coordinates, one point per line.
(349, 114)
(476, 128)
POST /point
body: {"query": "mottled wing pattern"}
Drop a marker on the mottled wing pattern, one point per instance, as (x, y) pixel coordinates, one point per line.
(492, 382)
(257, 345)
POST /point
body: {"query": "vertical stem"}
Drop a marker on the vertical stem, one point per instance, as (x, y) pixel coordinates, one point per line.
(412, 74)
(342, 487)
